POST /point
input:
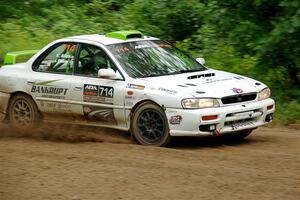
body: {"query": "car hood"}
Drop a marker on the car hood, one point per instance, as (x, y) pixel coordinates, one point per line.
(208, 83)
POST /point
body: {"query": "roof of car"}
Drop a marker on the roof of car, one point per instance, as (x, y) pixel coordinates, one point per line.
(115, 37)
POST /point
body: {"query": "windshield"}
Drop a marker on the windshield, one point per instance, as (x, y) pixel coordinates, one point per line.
(153, 58)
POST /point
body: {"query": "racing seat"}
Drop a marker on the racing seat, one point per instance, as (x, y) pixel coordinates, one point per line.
(100, 61)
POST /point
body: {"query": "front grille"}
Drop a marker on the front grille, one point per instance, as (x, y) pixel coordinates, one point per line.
(239, 98)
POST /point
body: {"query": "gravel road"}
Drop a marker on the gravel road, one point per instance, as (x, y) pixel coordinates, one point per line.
(76, 163)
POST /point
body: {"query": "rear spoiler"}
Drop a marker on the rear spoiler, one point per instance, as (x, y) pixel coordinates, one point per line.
(11, 58)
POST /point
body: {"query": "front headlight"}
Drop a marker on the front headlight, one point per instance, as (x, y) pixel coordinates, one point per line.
(264, 94)
(199, 103)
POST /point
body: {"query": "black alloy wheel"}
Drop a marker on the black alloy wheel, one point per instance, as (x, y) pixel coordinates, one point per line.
(149, 125)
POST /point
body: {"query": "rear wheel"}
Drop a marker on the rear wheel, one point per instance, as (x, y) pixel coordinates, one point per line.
(22, 112)
(149, 125)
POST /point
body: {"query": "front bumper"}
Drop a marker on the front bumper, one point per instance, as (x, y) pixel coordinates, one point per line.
(230, 118)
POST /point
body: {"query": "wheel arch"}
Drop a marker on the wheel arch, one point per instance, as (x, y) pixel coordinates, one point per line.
(20, 92)
(133, 109)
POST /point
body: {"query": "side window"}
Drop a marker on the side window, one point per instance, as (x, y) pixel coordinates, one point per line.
(59, 60)
(91, 59)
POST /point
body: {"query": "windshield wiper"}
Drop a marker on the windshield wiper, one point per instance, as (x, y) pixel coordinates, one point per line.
(190, 70)
(173, 73)
(151, 75)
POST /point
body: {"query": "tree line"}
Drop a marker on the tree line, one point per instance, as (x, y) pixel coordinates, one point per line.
(257, 38)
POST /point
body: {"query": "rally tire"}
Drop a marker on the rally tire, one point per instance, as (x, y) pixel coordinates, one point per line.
(149, 125)
(23, 113)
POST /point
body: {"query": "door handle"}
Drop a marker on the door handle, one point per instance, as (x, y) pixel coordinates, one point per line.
(78, 88)
(30, 83)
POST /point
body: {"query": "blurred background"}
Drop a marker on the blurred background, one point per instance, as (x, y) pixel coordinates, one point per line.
(257, 38)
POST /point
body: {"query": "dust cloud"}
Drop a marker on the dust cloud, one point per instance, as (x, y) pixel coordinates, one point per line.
(68, 133)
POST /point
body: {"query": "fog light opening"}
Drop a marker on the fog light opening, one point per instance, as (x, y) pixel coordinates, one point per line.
(207, 128)
(269, 118)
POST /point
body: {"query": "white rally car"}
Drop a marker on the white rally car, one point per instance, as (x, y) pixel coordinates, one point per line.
(129, 81)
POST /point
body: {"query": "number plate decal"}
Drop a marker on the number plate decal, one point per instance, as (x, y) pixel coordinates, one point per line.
(239, 125)
(105, 91)
(98, 94)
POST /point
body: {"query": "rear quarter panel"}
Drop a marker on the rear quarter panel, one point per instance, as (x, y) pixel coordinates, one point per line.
(13, 78)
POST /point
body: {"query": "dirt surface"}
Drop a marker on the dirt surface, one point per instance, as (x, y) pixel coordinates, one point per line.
(76, 163)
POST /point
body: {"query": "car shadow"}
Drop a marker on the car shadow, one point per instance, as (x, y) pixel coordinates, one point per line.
(209, 141)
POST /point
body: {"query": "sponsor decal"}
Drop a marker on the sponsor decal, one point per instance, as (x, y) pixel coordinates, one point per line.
(45, 83)
(237, 90)
(216, 80)
(91, 90)
(99, 114)
(175, 119)
(167, 90)
(98, 94)
(122, 50)
(133, 86)
(47, 90)
(142, 46)
(56, 107)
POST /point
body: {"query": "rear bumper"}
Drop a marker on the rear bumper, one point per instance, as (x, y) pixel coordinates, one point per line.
(229, 118)
(4, 99)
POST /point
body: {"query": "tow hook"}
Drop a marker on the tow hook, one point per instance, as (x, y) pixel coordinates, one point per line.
(216, 132)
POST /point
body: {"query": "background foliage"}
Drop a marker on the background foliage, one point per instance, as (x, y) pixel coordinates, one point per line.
(258, 38)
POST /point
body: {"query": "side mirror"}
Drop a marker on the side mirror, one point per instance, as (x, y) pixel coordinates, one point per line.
(107, 73)
(201, 61)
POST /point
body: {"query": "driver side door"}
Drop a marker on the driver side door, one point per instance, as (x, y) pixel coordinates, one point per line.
(95, 100)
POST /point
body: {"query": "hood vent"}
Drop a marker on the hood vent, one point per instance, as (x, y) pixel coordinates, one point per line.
(201, 75)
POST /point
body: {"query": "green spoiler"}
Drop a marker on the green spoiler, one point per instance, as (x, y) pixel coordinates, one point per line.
(11, 58)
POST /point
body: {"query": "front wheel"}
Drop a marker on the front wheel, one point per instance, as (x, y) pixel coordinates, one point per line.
(22, 113)
(149, 125)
